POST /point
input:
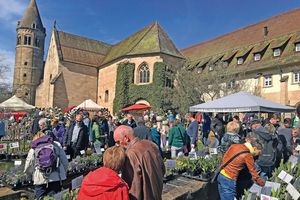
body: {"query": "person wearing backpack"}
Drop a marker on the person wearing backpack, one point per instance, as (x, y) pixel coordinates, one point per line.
(265, 163)
(47, 163)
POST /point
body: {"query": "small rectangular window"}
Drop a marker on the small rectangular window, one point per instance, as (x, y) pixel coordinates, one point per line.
(37, 42)
(296, 78)
(297, 47)
(27, 40)
(268, 81)
(240, 61)
(231, 84)
(106, 96)
(277, 52)
(210, 68)
(257, 57)
(19, 40)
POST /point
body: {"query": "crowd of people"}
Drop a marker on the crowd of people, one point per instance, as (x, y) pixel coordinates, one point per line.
(135, 147)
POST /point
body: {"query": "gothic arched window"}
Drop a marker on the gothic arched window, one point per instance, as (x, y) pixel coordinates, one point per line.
(144, 73)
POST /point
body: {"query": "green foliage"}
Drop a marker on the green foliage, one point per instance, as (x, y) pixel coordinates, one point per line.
(128, 93)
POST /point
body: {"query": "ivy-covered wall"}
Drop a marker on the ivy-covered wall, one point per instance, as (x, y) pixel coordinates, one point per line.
(127, 93)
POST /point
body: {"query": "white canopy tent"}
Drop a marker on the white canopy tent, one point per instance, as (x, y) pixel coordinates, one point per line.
(15, 104)
(241, 102)
(89, 105)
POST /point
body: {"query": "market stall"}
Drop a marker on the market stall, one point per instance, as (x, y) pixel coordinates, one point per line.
(89, 105)
(15, 104)
(241, 102)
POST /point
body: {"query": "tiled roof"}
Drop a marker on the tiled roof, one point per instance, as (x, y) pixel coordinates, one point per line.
(277, 26)
(151, 39)
(283, 32)
(31, 16)
(81, 50)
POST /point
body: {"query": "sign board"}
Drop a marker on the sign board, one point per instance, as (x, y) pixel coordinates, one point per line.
(272, 185)
(193, 155)
(283, 175)
(266, 197)
(255, 189)
(294, 160)
(68, 157)
(97, 146)
(14, 145)
(82, 152)
(293, 192)
(170, 164)
(213, 151)
(59, 196)
(18, 162)
(76, 182)
(3, 147)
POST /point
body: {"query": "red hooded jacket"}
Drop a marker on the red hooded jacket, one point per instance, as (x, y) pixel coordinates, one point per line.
(104, 184)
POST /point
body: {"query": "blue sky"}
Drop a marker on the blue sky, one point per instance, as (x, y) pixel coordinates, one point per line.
(186, 21)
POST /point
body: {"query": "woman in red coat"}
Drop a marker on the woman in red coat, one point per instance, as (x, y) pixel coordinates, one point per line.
(104, 183)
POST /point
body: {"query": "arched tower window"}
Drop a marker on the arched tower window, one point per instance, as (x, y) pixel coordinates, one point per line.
(18, 40)
(144, 73)
(33, 25)
(27, 40)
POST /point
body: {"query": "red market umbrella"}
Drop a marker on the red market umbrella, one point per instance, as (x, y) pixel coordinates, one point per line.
(136, 107)
(70, 108)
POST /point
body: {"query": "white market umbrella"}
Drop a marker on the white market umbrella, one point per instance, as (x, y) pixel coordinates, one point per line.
(89, 105)
(15, 104)
(241, 102)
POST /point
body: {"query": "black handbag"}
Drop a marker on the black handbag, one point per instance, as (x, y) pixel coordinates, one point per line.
(218, 170)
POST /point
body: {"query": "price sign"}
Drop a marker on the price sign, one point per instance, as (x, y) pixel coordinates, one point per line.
(171, 164)
(76, 182)
(14, 145)
(18, 162)
(68, 157)
(97, 146)
(293, 192)
(3, 147)
(82, 152)
(283, 175)
(213, 151)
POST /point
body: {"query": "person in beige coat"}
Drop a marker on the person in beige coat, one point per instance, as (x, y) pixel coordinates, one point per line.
(50, 184)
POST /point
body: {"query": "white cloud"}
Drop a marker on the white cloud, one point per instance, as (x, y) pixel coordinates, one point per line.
(11, 11)
(8, 58)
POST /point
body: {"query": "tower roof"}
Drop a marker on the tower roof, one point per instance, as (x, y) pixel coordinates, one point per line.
(31, 16)
(151, 39)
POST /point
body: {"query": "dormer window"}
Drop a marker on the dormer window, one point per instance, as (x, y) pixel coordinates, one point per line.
(33, 25)
(276, 52)
(240, 60)
(297, 47)
(257, 56)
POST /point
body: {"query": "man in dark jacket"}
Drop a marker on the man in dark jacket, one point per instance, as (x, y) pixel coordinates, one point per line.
(142, 131)
(77, 138)
(217, 126)
(35, 125)
(130, 121)
(267, 159)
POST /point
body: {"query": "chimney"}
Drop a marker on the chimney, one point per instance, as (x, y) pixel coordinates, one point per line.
(266, 31)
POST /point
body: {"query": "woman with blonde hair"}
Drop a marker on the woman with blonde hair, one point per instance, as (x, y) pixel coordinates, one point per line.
(231, 136)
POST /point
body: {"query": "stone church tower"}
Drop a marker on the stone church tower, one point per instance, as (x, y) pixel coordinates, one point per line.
(29, 62)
